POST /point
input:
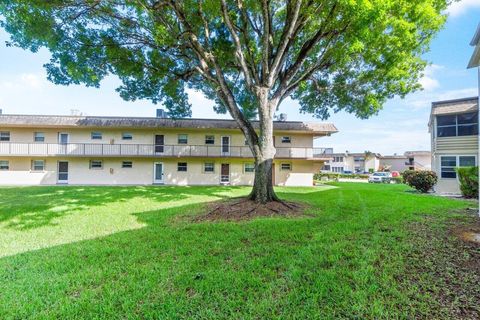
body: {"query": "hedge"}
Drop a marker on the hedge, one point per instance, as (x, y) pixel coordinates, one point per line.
(468, 177)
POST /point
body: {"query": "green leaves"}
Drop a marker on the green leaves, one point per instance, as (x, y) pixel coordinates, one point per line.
(350, 55)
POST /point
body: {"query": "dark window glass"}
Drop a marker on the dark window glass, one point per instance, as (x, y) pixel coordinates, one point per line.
(182, 166)
(446, 120)
(449, 161)
(468, 118)
(448, 173)
(468, 130)
(467, 161)
(446, 131)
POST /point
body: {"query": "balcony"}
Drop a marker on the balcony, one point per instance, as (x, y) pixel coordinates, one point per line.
(149, 150)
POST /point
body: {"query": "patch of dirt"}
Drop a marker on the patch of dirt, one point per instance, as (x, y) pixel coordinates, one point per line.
(445, 265)
(241, 209)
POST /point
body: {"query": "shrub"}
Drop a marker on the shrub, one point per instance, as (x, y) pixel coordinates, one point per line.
(423, 181)
(407, 174)
(397, 180)
(468, 177)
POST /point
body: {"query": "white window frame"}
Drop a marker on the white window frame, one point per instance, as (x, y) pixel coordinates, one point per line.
(178, 166)
(457, 163)
(39, 136)
(5, 136)
(33, 168)
(5, 166)
(125, 162)
(181, 140)
(249, 170)
(97, 135)
(96, 168)
(205, 167)
(289, 164)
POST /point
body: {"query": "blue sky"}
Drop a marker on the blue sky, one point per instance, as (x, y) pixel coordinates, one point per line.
(400, 126)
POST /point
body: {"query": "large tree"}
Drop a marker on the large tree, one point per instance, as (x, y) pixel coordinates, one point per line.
(247, 55)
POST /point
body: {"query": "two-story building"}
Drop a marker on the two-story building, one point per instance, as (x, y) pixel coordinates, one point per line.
(48, 150)
(347, 162)
(454, 136)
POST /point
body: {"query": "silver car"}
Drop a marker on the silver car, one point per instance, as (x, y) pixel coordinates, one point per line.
(380, 177)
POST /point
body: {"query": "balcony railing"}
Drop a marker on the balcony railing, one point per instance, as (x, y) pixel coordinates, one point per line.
(148, 150)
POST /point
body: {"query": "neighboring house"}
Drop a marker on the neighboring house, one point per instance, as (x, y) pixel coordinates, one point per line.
(47, 150)
(454, 135)
(410, 160)
(352, 162)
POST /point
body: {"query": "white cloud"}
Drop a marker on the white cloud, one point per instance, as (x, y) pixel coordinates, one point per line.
(22, 81)
(456, 9)
(423, 100)
(32, 80)
(428, 80)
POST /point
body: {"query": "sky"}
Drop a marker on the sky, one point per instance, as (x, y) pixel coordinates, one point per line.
(401, 125)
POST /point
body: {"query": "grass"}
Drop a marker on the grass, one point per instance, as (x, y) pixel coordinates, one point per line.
(133, 252)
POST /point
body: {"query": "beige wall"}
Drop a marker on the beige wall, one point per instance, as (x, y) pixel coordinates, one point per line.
(142, 136)
(448, 185)
(142, 172)
(396, 164)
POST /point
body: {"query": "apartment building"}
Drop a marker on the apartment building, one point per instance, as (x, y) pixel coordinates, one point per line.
(352, 162)
(410, 160)
(454, 136)
(49, 150)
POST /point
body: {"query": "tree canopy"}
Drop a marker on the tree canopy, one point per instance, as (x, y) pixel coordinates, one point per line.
(330, 55)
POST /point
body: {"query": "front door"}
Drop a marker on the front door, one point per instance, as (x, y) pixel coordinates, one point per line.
(158, 172)
(63, 138)
(225, 173)
(225, 145)
(62, 172)
(159, 143)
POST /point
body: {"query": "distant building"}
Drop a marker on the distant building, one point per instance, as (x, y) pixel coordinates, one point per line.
(352, 162)
(410, 160)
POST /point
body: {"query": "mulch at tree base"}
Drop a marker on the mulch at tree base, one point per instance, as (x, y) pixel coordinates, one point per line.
(240, 209)
(445, 265)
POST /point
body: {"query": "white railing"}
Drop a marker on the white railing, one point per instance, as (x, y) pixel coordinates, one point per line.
(149, 150)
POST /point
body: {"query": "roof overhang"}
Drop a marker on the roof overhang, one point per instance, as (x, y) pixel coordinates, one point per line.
(54, 121)
(475, 59)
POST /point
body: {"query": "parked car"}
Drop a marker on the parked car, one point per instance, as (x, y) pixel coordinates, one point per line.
(395, 174)
(380, 177)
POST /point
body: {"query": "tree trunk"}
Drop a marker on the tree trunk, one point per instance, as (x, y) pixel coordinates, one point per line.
(264, 152)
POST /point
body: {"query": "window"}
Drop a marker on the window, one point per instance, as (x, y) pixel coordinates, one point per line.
(4, 165)
(286, 167)
(209, 167)
(249, 167)
(326, 167)
(127, 136)
(182, 139)
(449, 163)
(38, 165)
(39, 137)
(96, 164)
(209, 139)
(467, 161)
(127, 164)
(337, 169)
(465, 124)
(5, 136)
(337, 159)
(182, 167)
(98, 136)
(286, 140)
(447, 167)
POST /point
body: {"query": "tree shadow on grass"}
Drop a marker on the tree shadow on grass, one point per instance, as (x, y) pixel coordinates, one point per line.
(24, 208)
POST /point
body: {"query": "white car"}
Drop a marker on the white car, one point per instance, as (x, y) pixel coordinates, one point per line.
(380, 177)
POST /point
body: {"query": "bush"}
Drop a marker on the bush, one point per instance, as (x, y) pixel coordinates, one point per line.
(397, 180)
(407, 174)
(423, 181)
(336, 176)
(468, 177)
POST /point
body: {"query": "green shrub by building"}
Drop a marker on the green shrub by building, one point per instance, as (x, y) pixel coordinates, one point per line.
(468, 177)
(423, 180)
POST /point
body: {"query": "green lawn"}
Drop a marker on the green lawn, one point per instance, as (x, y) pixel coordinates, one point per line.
(132, 252)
